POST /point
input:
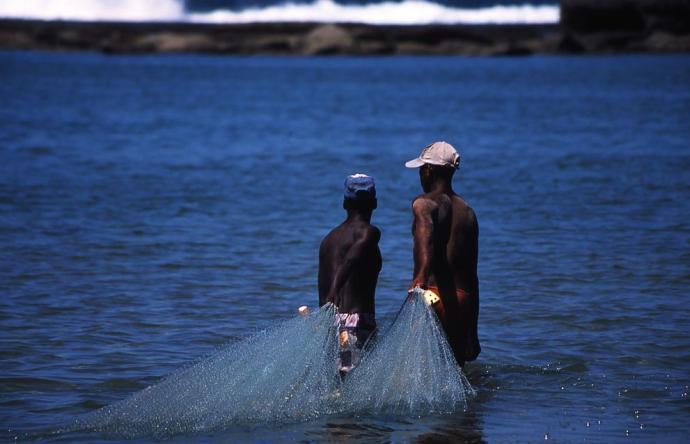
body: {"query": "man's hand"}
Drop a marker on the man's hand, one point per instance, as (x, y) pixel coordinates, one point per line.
(415, 283)
(332, 297)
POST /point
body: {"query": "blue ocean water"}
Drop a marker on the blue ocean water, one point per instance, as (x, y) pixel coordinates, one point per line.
(154, 207)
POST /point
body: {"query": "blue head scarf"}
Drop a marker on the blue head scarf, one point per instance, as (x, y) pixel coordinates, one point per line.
(357, 184)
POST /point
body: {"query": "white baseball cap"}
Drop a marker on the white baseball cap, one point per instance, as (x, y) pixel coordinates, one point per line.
(438, 153)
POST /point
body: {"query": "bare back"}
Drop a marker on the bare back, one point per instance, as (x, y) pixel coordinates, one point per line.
(462, 250)
(349, 265)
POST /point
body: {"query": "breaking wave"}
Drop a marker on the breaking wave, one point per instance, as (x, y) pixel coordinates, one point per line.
(94, 10)
(407, 12)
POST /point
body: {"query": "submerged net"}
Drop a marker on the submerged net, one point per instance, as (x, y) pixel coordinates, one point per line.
(408, 370)
(289, 373)
(285, 373)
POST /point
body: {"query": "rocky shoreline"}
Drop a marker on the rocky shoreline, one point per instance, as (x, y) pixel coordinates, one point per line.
(587, 26)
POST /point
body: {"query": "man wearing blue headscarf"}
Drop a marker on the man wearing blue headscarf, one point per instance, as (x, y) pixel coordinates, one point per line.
(349, 265)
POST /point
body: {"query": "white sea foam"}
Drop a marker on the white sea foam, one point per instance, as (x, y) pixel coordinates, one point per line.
(94, 10)
(289, 373)
(407, 12)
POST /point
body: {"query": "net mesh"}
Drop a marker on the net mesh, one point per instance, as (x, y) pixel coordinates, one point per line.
(289, 373)
(410, 369)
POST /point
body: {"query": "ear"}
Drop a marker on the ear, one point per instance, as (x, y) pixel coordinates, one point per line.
(422, 171)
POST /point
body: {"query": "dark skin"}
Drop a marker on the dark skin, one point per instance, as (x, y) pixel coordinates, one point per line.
(350, 260)
(446, 237)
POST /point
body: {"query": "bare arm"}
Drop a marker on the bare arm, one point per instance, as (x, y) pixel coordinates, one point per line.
(323, 275)
(475, 254)
(423, 233)
(344, 268)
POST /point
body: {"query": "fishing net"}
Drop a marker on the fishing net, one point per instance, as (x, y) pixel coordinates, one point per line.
(289, 373)
(282, 374)
(410, 369)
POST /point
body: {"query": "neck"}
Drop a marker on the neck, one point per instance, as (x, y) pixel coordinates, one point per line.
(359, 215)
(440, 185)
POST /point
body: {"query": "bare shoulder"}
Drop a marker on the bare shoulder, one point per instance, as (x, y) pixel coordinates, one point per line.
(328, 239)
(426, 203)
(459, 202)
(462, 209)
(422, 204)
(371, 234)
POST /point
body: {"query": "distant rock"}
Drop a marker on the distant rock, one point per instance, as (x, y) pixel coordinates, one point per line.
(327, 39)
(568, 43)
(510, 49)
(16, 40)
(665, 42)
(626, 15)
(589, 26)
(173, 42)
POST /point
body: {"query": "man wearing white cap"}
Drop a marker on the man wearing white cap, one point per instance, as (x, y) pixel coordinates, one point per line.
(349, 265)
(446, 234)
